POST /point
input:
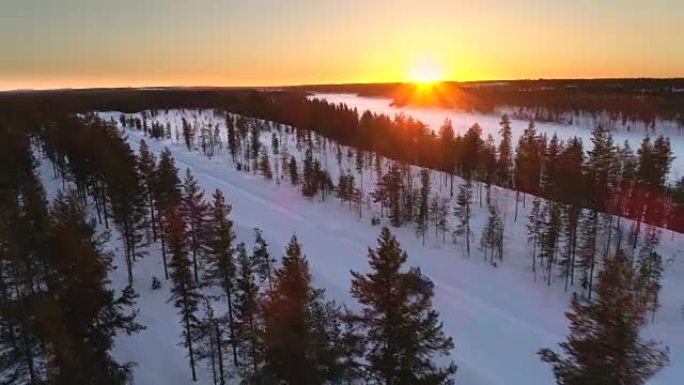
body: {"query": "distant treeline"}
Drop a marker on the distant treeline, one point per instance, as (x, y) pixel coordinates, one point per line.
(642, 100)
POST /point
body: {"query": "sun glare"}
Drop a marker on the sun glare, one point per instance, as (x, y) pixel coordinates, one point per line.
(425, 72)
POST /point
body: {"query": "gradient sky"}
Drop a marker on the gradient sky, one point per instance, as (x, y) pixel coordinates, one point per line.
(86, 43)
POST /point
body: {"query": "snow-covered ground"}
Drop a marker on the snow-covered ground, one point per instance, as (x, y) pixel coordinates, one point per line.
(461, 121)
(498, 317)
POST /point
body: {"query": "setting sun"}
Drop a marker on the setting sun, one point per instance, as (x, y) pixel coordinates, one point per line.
(425, 71)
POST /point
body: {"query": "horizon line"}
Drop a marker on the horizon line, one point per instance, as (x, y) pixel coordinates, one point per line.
(294, 85)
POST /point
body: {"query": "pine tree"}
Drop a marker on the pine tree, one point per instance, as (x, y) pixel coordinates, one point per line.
(248, 320)
(209, 336)
(463, 213)
(408, 195)
(351, 348)
(604, 346)
(147, 164)
(505, 160)
(299, 349)
(528, 159)
(166, 193)
(219, 267)
(346, 187)
(586, 254)
(492, 235)
(265, 166)
(655, 160)
(188, 134)
(125, 190)
(570, 219)
(217, 142)
(534, 231)
(600, 169)
(447, 145)
(310, 175)
(438, 212)
(263, 262)
(275, 144)
(388, 192)
(359, 165)
(24, 233)
(650, 266)
(292, 170)
(232, 137)
(80, 314)
(254, 145)
(195, 210)
(571, 192)
(551, 229)
(401, 332)
(423, 206)
(184, 292)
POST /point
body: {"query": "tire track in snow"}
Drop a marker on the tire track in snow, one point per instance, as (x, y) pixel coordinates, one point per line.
(242, 191)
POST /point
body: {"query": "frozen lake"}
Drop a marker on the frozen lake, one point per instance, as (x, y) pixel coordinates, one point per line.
(461, 121)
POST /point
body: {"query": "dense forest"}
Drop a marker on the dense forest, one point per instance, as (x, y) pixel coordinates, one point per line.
(636, 182)
(59, 314)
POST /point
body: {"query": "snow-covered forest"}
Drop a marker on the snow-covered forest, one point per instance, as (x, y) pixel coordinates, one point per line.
(194, 208)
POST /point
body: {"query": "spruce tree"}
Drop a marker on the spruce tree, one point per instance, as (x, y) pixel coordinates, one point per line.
(185, 294)
(188, 134)
(167, 193)
(599, 169)
(492, 235)
(219, 267)
(388, 192)
(650, 266)
(254, 145)
(292, 170)
(438, 212)
(81, 313)
(528, 160)
(232, 137)
(550, 236)
(505, 152)
(463, 213)
(248, 319)
(586, 253)
(423, 204)
(264, 264)
(195, 211)
(401, 332)
(447, 146)
(125, 190)
(299, 347)
(604, 346)
(210, 343)
(147, 164)
(265, 166)
(359, 165)
(309, 175)
(535, 231)
(570, 219)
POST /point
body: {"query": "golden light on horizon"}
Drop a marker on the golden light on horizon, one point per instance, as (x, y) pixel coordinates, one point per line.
(425, 71)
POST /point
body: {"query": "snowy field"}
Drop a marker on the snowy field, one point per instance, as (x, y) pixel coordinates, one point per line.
(461, 121)
(498, 317)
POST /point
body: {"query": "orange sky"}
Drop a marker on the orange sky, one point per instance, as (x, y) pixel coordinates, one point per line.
(79, 43)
